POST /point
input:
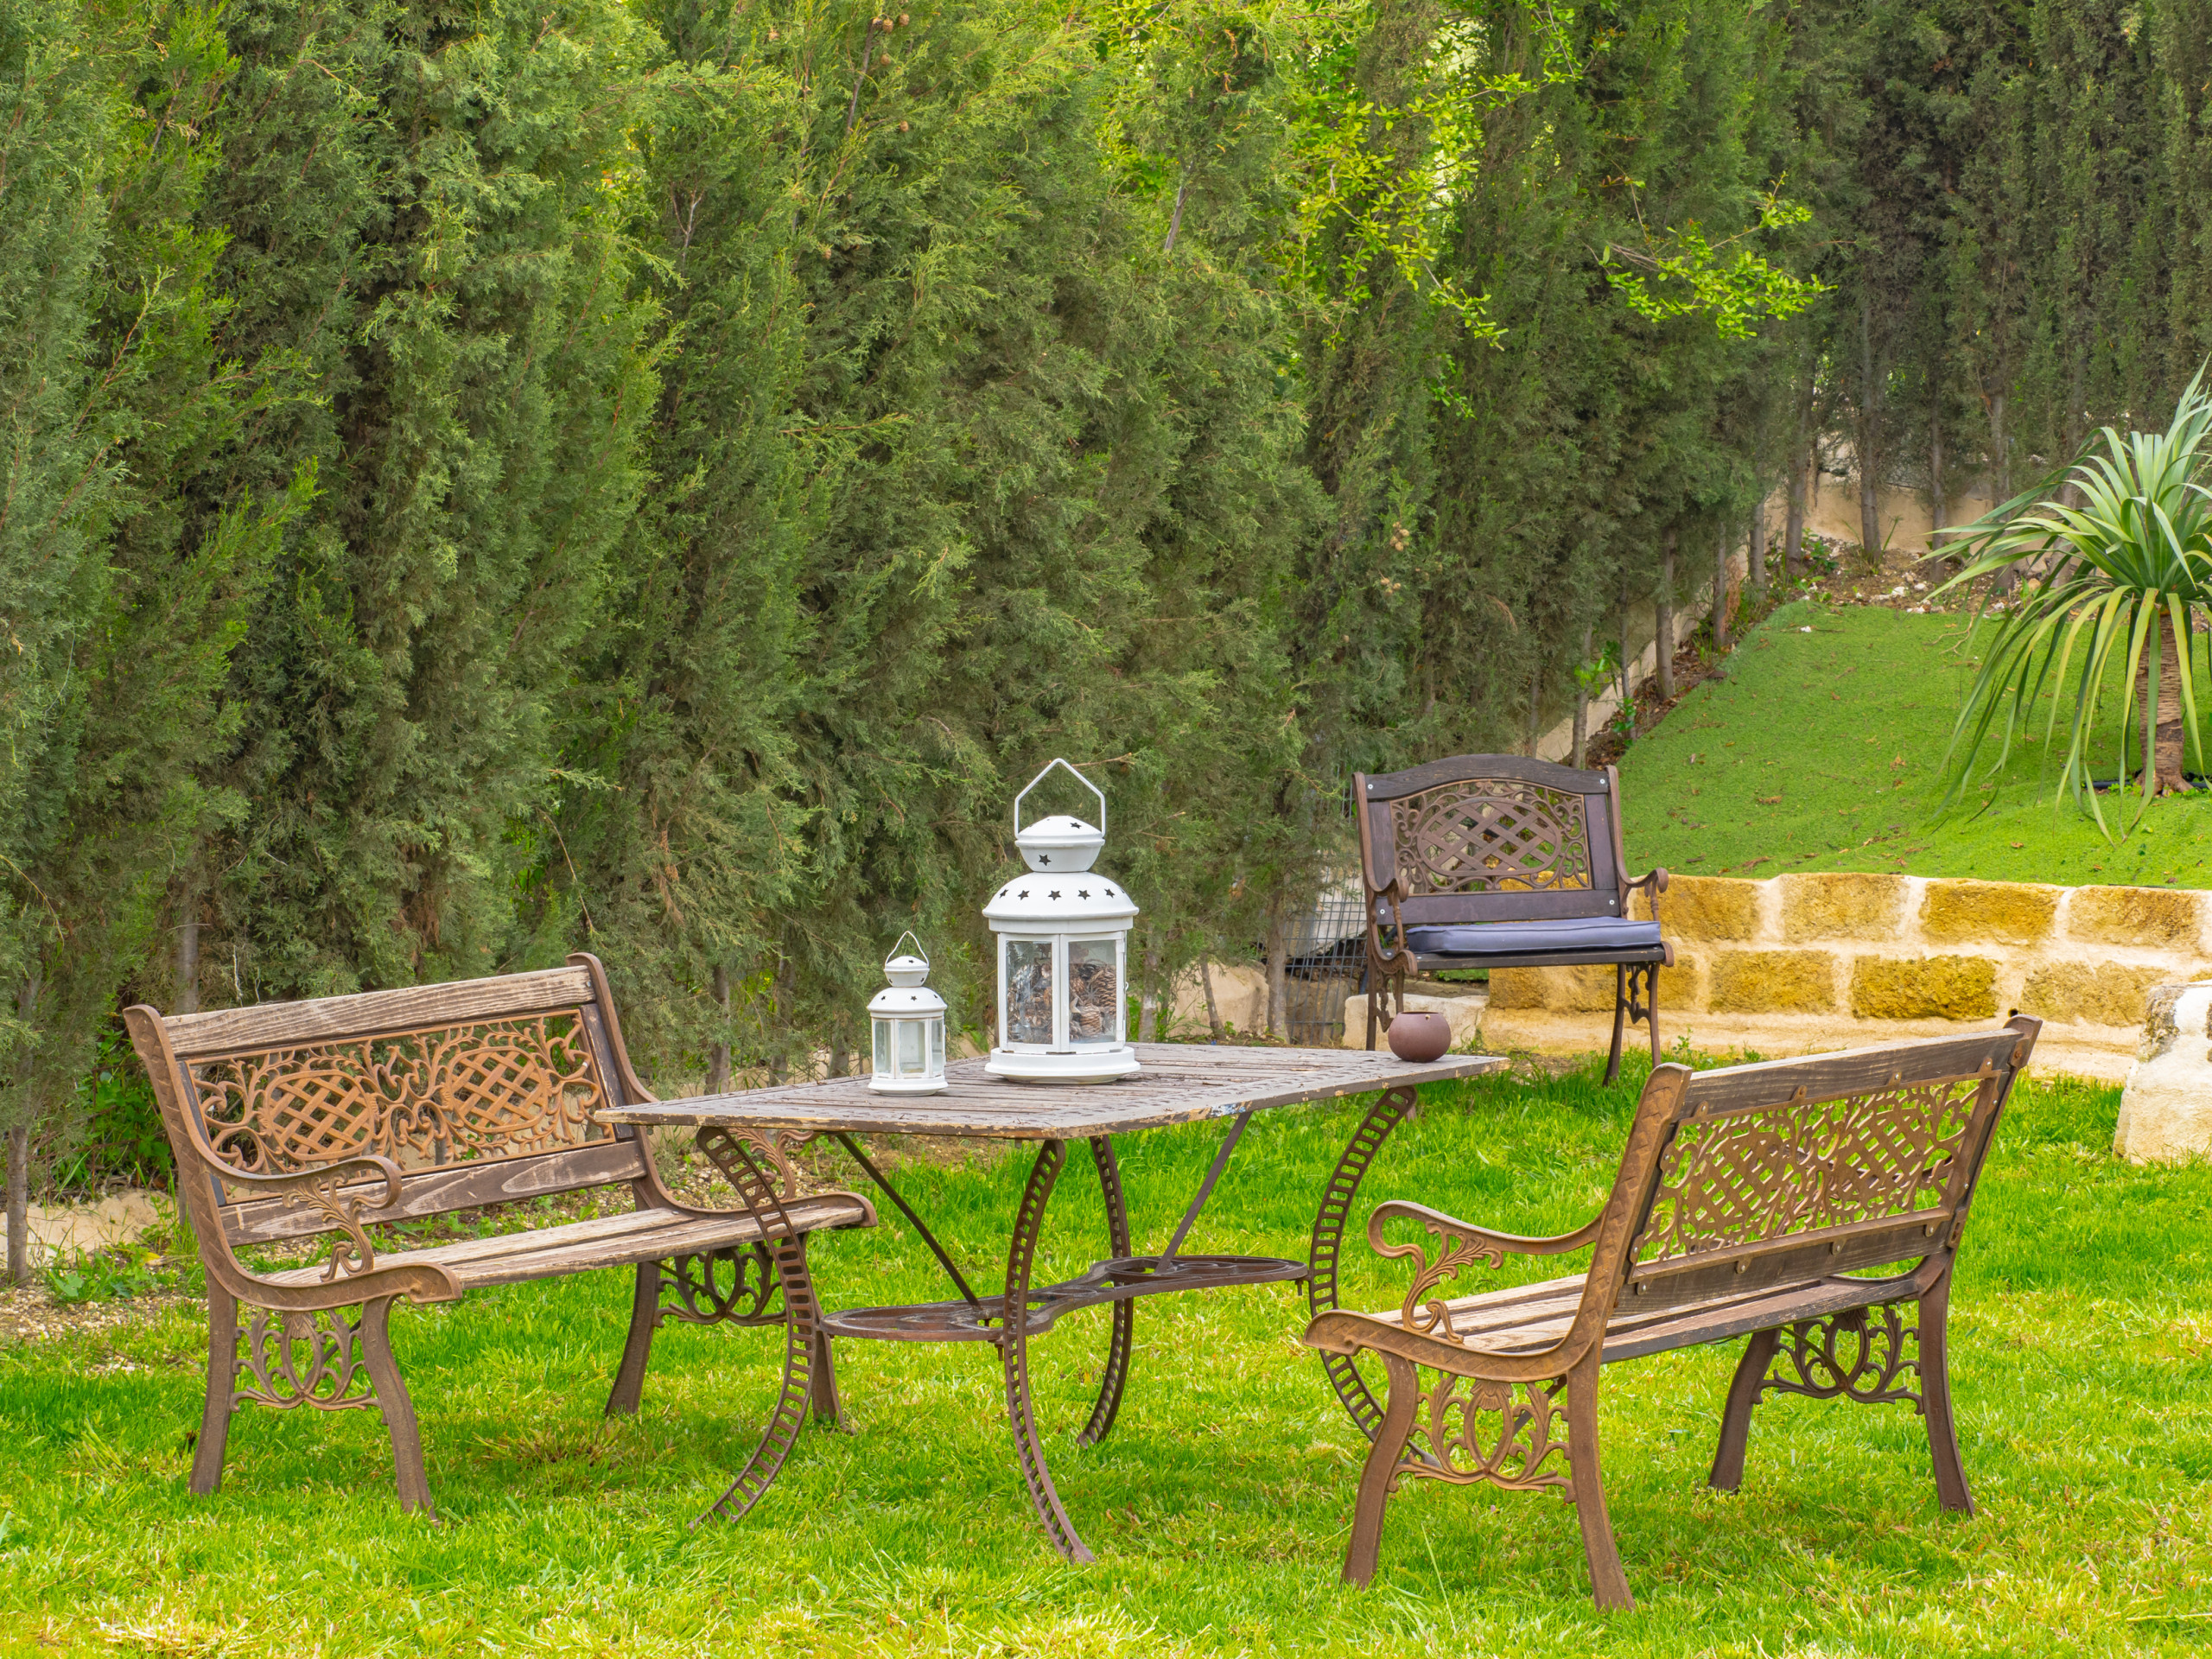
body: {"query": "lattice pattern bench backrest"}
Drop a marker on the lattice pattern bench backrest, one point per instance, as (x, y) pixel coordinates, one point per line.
(1773, 1173)
(1492, 837)
(480, 1092)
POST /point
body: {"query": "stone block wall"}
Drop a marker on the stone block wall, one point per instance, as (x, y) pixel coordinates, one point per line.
(1799, 962)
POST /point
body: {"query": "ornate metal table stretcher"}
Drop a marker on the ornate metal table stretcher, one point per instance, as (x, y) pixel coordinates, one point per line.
(1179, 1083)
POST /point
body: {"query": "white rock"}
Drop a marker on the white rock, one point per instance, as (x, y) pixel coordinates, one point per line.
(2165, 1110)
(1463, 1014)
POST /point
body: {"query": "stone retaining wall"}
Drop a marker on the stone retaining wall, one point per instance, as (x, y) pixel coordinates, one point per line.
(1801, 963)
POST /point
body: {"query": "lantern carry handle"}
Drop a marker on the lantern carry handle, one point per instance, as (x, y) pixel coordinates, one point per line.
(1078, 776)
(901, 939)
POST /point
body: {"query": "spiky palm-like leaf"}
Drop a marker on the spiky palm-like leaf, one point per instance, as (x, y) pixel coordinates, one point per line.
(2138, 548)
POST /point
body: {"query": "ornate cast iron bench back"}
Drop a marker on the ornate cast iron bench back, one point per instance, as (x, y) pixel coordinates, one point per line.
(1498, 860)
(1757, 1199)
(332, 1117)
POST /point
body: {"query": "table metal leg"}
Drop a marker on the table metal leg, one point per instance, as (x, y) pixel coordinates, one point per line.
(786, 1247)
(1393, 1108)
(1125, 1311)
(1013, 1352)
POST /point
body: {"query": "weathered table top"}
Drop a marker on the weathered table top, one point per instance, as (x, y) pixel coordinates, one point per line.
(1181, 1083)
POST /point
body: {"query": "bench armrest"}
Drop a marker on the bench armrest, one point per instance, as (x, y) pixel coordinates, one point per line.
(1395, 959)
(1653, 882)
(1461, 1243)
(322, 1188)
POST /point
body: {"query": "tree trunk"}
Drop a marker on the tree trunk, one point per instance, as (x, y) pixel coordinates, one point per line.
(1938, 509)
(1213, 1009)
(718, 1056)
(1623, 666)
(1662, 648)
(19, 1161)
(187, 964)
(1278, 972)
(1536, 702)
(2000, 451)
(1720, 588)
(1792, 523)
(2162, 731)
(1870, 411)
(1755, 554)
(1582, 705)
(1148, 998)
(19, 1203)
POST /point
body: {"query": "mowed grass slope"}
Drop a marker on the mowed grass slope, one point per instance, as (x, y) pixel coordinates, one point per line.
(1823, 749)
(2082, 1344)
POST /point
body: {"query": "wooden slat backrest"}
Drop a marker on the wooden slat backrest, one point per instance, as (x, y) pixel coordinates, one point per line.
(1791, 1170)
(1492, 838)
(480, 1090)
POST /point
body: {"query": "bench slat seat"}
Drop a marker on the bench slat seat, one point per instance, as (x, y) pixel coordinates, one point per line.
(1500, 860)
(602, 1241)
(1815, 1205)
(338, 1118)
(1529, 1318)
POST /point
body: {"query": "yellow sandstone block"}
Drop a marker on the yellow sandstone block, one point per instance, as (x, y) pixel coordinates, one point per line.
(1706, 907)
(1932, 988)
(1770, 982)
(2144, 916)
(2009, 912)
(1842, 906)
(2108, 994)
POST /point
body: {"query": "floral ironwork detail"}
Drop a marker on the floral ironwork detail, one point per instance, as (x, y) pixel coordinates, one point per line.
(423, 1099)
(1432, 1316)
(1492, 834)
(1861, 1353)
(1801, 1165)
(303, 1359)
(736, 1285)
(351, 1251)
(1505, 1435)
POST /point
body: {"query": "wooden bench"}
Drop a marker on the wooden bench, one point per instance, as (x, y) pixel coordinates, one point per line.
(1497, 861)
(326, 1117)
(1749, 1201)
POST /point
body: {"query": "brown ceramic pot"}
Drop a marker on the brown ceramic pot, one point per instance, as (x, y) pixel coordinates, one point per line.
(1419, 1036)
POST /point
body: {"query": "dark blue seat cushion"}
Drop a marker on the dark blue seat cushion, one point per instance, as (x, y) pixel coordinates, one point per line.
(1533, 938)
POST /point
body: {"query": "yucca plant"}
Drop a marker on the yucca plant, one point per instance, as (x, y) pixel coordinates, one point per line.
(2124, 572)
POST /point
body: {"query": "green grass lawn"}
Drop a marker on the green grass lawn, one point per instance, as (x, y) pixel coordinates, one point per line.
(1823, 750)
(2083, 1345)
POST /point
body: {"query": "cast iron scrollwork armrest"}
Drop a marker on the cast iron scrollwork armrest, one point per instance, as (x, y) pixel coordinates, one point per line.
(1394, 960)
(1653, 881)
(323, 1189)
(1461, 1243)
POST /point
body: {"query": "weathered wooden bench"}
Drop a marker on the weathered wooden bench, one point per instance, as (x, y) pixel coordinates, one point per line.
(1497, 861)
(330, 1116)
(1749, 1200)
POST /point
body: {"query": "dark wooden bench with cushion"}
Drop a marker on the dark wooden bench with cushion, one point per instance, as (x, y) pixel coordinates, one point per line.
(328, 1117)
(1497, 861)
(1750, 1200)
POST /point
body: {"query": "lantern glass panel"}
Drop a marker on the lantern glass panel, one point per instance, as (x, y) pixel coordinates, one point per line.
(882, 1048)
(936, 1045)
(1094, 991)
(910, 1048)
(1029, 991)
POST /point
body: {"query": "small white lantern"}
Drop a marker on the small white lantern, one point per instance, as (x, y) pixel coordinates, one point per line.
(909, 1021)
(1063, 949)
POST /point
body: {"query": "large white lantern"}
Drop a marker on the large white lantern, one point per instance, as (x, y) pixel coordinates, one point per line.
(909, 1021)
(1063, 949)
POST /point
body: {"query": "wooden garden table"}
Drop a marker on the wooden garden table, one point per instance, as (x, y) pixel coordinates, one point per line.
(1179, 1083)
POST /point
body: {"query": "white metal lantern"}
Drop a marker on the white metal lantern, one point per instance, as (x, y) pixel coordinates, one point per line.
(1063, 949)
(909, 1021)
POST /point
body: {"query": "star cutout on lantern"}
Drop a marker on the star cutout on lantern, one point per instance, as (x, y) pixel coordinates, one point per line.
(1024, 893)
(1054, 893)
(1043, 858)
(1083, 893)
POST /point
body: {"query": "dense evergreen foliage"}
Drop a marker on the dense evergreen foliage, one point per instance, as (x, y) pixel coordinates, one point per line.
(487, 480)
